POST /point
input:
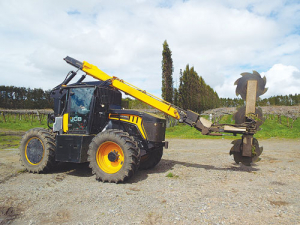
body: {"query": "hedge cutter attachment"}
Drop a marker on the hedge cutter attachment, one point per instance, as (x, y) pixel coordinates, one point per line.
(250, 86)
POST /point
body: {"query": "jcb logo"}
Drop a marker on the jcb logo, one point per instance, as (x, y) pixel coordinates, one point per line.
(76, 119)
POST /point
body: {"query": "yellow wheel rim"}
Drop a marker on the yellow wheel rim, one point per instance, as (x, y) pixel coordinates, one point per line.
(102, 157)
(34, 151)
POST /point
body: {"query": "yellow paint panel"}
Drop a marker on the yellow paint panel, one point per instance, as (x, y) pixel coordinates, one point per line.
(66, 122)
(136, 120)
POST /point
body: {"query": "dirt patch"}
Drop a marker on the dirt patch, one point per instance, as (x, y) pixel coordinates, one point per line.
(279, 203)
(8, 214)
(206, 187)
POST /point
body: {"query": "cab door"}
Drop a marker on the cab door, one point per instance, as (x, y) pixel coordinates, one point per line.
(80, 100)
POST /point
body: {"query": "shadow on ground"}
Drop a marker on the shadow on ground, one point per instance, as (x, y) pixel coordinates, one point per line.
(166, 165)
(73, 169)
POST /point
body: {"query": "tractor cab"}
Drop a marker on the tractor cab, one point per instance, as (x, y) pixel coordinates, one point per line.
(80, 112)
(83, 108)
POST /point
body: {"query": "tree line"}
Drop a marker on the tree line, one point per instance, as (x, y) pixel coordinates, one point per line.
(279, 100)
(12, 97)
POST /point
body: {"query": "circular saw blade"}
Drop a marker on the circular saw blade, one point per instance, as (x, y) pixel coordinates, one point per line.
(237, 152)
(242, 82)
(240, 116)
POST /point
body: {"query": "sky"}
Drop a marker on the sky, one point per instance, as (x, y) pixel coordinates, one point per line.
(220, 38)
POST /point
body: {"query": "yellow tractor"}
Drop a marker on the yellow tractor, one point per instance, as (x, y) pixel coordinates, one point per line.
(89, 125)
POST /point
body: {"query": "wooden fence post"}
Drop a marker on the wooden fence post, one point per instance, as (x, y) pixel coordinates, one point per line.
(3, 114)
(38, 116)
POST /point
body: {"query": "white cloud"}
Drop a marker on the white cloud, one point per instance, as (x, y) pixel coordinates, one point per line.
(286, 79)
(281, 80)
(220, 39)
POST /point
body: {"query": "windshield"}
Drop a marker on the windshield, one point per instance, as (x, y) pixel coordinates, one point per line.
(81, 100)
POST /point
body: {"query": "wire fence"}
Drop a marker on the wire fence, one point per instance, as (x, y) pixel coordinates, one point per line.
(25, 114)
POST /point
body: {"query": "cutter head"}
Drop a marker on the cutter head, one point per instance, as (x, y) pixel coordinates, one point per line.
(241, 88)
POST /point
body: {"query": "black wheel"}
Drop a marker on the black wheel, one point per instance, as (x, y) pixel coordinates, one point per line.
(151, 159)
(113, 156)
(37, 150)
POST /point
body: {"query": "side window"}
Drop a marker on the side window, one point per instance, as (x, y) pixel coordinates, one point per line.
(80, 102)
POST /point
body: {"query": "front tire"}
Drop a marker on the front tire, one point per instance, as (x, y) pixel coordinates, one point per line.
(37, 150)
(113, 156)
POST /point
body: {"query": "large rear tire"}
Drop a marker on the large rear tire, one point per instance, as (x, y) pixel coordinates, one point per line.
(37, 150)
(113, 156)
(151, 159)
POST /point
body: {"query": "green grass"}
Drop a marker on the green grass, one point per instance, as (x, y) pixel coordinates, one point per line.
(186, 132)
(14, 124)
(171, 175)
(270, 128)
(9, 141)
(20, 125)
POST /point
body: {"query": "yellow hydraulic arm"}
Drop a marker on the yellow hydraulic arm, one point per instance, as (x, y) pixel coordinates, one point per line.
(184, 116)
(127, 88)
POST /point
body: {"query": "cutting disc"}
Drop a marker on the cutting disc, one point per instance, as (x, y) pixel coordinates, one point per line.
(257, 151)
(237, 149)
(240, 117)
(241, 83)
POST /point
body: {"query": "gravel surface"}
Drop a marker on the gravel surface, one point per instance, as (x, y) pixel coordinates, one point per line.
(207, 187)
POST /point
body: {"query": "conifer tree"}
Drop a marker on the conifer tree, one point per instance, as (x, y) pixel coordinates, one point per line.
(167, 71)
(194, 93)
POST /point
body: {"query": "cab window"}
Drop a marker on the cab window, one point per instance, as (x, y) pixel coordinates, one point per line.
(80, 102)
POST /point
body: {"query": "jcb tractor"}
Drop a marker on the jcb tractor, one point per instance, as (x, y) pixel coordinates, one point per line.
(89, 125)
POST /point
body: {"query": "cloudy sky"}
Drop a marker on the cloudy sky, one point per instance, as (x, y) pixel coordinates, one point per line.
(220, 38)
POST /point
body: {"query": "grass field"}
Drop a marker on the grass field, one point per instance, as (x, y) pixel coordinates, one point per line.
(270, 128)
(11, 130)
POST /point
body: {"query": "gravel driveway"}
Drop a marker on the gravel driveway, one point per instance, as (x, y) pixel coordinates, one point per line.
(207, 187)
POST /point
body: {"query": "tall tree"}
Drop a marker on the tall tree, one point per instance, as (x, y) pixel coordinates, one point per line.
(194, 93)
(189, 89)
(167, 71)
